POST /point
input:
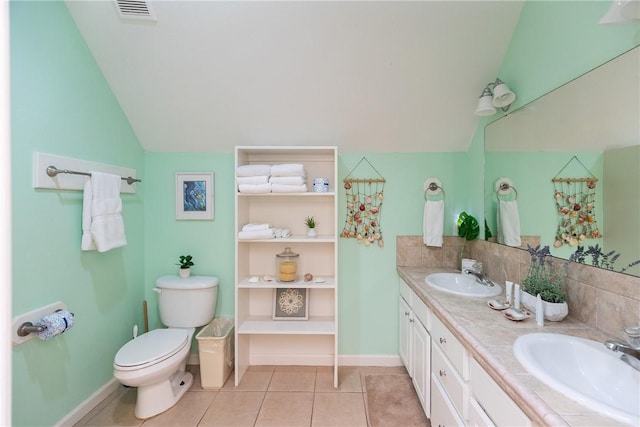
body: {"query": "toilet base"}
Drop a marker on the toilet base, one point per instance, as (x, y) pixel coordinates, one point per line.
(156, 398)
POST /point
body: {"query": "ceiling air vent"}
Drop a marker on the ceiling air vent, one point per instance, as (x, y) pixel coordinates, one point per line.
(135, 9)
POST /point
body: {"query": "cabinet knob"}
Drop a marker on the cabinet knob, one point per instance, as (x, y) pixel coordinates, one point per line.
(443, 340)
(411, 320)
(406, 313)
(442, 373)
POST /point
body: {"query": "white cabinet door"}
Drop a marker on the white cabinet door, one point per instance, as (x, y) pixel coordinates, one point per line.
(443, 414)
(404, 344)
(421, 356)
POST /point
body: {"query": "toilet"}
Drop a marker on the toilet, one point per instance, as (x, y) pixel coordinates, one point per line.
(155, 362)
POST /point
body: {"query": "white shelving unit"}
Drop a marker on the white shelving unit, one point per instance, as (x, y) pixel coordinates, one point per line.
(260, 340)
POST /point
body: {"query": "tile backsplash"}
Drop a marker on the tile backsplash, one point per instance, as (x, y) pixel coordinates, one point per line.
(603, 299)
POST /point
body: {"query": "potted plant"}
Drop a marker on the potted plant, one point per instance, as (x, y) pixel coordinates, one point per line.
(547, 281)
(185, 262)
(311, 224)
(469, 229)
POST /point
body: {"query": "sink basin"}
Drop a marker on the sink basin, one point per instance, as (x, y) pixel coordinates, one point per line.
(461, 284)
(583, 370)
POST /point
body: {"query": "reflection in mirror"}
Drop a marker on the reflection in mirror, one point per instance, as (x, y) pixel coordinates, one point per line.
(595, 118)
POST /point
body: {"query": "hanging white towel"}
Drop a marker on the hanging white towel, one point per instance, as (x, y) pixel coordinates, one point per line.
(508, 223)
(433, 222)
(102, 222)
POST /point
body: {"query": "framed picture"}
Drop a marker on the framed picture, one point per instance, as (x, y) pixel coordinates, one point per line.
(194, 195)
(291, 304)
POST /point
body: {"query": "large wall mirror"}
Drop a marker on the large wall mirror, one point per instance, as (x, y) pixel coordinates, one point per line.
(589, 127)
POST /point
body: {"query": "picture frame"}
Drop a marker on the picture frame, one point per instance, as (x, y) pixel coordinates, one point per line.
(291, 304)
(194, 196)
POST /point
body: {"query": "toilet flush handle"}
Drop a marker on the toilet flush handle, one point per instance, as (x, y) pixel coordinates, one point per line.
(158, 290)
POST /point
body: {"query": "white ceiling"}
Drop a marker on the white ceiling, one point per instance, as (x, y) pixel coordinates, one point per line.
(386, 76)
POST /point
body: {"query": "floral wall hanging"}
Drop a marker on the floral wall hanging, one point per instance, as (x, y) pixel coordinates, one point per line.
(364, 207)
(575, 200)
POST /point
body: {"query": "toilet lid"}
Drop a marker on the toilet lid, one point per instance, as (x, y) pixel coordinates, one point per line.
(152, 347)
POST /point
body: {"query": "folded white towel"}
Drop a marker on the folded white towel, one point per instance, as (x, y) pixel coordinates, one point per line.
(288, 169)
(255, 180)
(255, 227)
(280, 188)
(508, 219)
(258, 234)
(253, 170)
(433, 223)
(282, 233)
(104, 212)
(254, 189)
(288, 180)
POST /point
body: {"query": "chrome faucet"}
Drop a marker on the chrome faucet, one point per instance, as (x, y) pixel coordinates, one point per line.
(630, 356)
(480, 277)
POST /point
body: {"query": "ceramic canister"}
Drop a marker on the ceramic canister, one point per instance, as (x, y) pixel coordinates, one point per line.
(321, 185)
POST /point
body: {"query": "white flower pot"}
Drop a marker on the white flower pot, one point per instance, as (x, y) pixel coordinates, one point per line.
(185, 272)
(553, 311)
(311, 232)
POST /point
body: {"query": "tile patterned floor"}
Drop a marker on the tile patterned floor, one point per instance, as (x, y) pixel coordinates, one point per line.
(275, 396)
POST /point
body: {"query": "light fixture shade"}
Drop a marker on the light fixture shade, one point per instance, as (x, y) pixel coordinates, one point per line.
(622, 12)
(502, 95)
(485, 106)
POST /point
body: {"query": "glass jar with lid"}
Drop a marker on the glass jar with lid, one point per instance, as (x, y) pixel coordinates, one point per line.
(287, 266)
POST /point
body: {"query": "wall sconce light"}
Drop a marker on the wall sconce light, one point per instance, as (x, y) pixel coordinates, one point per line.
(495, 95)
(622, 12)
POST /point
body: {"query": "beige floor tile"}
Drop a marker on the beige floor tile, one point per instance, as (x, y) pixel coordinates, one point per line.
(348, 379)
(293, 378)
(118, 412)
(286, 409)
(339, 409)
(255, 379)
(186, 413)
(233, 409)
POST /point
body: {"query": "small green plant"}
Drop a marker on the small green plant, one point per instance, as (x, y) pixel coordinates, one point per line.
(310, 222)
(185, 261)
(543, 278)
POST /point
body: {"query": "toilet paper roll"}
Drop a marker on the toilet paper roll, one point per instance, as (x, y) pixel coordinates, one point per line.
(55, 324)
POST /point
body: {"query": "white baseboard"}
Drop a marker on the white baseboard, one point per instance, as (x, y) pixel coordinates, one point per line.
(91, 402)
(369, 360)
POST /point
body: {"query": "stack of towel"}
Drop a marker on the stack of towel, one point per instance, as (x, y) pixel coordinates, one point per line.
(288, 178)
(256, 231)
(284, 178)
(253, 179)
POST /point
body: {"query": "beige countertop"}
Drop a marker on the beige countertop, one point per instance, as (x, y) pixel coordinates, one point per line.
(489, 338)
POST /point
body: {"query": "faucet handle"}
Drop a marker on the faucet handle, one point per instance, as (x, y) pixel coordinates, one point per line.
(632, 334)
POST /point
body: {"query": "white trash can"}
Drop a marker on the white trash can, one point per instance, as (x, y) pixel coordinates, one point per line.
(216, 349)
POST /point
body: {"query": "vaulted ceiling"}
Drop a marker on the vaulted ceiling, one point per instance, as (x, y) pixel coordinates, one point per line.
(385, 76)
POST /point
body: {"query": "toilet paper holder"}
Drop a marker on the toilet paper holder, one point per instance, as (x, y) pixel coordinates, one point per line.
(23, 327)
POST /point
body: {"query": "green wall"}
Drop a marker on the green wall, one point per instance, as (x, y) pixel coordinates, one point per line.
(61, 104)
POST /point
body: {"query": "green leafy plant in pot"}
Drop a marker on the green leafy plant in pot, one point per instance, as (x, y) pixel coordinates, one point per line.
(311, 224)
(185, 262)
(468, 228)
(546, 280)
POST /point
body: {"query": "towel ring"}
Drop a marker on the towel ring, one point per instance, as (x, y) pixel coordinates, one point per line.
(505, 187)
(432, 187)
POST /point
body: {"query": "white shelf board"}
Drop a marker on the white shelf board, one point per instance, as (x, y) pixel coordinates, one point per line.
(316, 325)
(293, 239)
(329, 283)
(307, 194)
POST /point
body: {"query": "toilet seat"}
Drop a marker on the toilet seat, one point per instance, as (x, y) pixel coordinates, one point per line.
(151, 348)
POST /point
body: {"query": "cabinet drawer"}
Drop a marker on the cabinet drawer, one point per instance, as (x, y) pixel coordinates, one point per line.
(405, 291)
(496, 403)
(477, 416)
(443, 414)
(451, 382)
(451, 347)
(421, 311)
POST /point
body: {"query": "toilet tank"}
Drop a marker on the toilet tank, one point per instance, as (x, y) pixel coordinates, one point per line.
(188, 302)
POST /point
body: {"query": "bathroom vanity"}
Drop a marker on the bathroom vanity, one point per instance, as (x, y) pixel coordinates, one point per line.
(473, 377)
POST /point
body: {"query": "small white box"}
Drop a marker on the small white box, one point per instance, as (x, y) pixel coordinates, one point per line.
(216, 351)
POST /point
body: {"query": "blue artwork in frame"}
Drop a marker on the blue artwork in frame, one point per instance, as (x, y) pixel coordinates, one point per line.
(194, 196)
